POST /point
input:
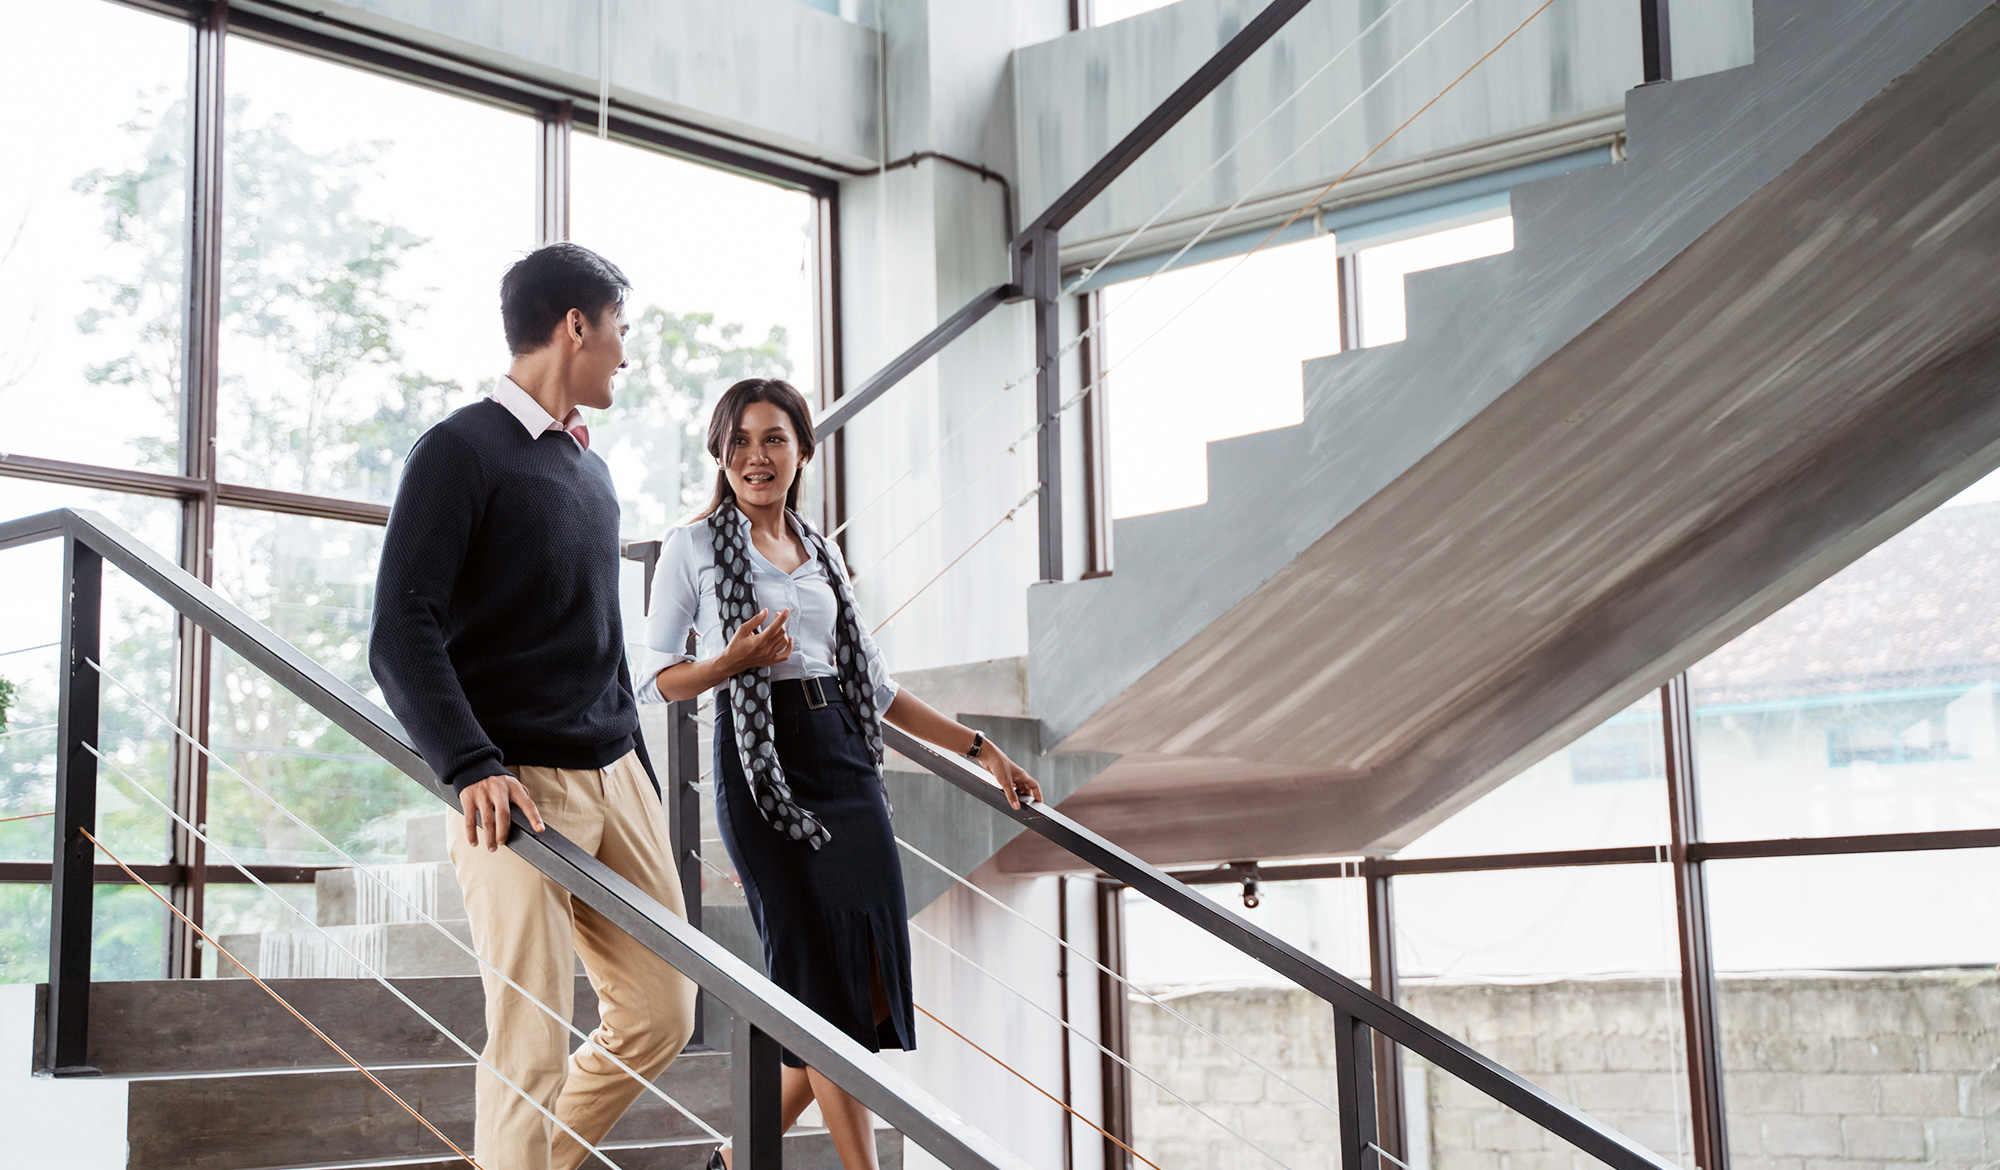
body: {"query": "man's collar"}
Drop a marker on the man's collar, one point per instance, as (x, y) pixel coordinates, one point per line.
(528, 412)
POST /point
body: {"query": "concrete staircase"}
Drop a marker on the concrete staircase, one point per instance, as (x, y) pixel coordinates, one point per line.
(222, 1078)
(1705, 379)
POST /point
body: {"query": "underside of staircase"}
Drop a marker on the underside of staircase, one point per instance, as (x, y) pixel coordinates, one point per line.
(1705, 379)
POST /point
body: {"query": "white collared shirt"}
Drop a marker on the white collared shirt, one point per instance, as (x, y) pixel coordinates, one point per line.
(529, 413)
(684, 599)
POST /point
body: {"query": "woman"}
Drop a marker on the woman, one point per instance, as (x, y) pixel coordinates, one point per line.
(803, 695)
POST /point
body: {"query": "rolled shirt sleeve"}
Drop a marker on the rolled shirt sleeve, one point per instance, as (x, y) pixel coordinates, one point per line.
(674, 610)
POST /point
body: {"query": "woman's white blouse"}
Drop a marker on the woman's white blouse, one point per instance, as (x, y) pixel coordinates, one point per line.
(684, 599)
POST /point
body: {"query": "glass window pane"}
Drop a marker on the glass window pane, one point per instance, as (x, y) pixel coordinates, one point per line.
(234, 909)
(1569, 977)
(1171, 343)
(139, 651)
(127, 938)
(312, 582)
(722, 290)
(1286, 1029)
(1608, 788)
(1381, 269)
(367, 226)
(92, 233)
(1871, 704)
(1859, 1007)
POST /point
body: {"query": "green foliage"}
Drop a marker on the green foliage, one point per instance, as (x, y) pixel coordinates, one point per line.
(7, 690)
(677, 364)
(310, 295)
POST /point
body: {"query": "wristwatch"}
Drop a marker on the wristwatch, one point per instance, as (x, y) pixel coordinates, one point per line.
(978, 741)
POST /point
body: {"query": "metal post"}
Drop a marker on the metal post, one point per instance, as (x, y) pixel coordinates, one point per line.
(1111, 1028)
(1390, 1111)
(201, 375)
(1656, 41)
(1062, 1006)
(756, 1088)
(1704, 1035)
(1347, 274)
(1046, 289)
(1354, 1098)
(552, 175)
(1096, 440)
(70, 892)
(684, 816)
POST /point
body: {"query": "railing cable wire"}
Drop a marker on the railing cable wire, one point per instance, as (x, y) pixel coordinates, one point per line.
(1073, 1030)
(359, 868)
(939, 575)
(26, 730)
(1129, 986)
(218, 948)
(359, 963)
(1066, 1106)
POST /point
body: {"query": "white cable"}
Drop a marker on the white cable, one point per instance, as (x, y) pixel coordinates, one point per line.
(1128, 984)
(1098, 325)
(359, 964)
(1217, 161)
(410, 905)
(26, 730)
(25, 649)
(1029, 1000)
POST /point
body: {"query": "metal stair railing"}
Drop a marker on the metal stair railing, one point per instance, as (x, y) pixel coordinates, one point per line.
(766, 1016)
(1359, 1013)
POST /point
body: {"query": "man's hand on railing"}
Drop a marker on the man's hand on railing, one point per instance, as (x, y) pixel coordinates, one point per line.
(489, 802)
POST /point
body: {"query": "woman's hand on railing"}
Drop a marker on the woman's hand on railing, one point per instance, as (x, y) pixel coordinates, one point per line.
(1012, 778)
(489, 803)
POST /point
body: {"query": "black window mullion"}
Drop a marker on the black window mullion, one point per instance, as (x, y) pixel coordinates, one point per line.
(201, 405)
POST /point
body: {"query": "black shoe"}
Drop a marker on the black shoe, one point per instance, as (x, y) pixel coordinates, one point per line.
(715, 1161)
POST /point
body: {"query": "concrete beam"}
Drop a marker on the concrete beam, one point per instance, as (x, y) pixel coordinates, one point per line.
(772, 70)
(1080, 93)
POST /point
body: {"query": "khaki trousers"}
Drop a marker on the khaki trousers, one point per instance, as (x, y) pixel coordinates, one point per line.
(526, 925)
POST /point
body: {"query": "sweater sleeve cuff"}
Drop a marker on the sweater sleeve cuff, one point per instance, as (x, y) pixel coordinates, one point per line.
(474, 772)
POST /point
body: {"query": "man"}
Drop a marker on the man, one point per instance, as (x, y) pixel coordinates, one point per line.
(498, 644)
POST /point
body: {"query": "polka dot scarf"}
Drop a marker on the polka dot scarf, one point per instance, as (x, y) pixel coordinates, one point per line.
(750, 692)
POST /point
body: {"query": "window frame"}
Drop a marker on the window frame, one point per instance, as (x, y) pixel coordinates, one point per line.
(200, 490)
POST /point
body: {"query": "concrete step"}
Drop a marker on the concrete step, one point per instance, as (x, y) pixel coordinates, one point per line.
(423, 838)
(804, 1150)
(270, 1120)
(397, 950)
(378, 894)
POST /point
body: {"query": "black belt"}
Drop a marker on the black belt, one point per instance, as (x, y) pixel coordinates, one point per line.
(814, 692)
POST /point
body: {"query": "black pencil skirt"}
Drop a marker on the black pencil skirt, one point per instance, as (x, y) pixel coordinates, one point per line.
(826, 915)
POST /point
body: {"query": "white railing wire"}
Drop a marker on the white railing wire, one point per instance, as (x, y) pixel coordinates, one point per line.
(360, 964)
(1092, 1041)
(1130, 986)
(411, 906)
(1213, 222)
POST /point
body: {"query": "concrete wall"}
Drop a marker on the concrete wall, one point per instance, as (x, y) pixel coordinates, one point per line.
(773, 70)
(1079, 94)
(1824, 1072)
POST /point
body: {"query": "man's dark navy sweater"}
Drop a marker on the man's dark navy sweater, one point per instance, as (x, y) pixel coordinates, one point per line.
(497, 639)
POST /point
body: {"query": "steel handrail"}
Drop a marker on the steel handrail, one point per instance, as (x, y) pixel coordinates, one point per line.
(1346, 996)
(919, 1116)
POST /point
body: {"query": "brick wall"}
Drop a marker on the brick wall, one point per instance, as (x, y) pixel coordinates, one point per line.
(1825, 1072)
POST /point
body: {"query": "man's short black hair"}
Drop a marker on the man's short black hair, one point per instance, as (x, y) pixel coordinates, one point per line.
(543, 286)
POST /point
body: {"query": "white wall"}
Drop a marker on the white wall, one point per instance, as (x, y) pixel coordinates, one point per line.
(72, 1124)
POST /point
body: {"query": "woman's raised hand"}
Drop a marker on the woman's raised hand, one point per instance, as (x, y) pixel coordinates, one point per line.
(752, 647)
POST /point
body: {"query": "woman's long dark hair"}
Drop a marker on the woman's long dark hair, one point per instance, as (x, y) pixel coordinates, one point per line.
(729, 415)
